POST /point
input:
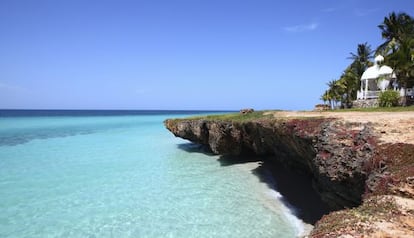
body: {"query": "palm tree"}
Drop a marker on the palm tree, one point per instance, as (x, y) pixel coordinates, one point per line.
(328, 95)
(362, 56)
(325, 98)
(398, 32)
(402, 61)
(352, 74)
(395, 28)
(334, 93)
(349, 84)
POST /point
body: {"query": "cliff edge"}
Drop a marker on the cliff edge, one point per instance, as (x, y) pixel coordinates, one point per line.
(356, 162)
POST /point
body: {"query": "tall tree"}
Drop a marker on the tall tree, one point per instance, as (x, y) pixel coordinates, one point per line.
(395, 28)
(334, 93)
(352, 74)
(344, 90)
(349, 84)
(402, 61)
(398, 32)
(362, 57)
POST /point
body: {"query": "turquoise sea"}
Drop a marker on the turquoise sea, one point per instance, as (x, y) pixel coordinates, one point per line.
(122, 174)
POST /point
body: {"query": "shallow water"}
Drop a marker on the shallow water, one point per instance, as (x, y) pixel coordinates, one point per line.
(125, 176)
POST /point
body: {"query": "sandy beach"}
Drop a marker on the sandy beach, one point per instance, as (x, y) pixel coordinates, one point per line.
(392, 127)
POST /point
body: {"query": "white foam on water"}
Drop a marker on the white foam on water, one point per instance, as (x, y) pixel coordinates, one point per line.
(273, 200)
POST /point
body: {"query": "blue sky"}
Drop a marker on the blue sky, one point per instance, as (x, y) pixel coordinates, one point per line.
(180, 54)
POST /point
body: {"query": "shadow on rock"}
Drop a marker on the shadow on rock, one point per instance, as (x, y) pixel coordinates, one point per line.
(195, 148)
(295, 187)
(232, 160)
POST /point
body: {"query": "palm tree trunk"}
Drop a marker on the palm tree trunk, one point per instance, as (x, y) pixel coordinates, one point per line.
(404, 98)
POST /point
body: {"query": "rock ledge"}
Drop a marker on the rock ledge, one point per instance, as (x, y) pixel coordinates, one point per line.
(342, 157)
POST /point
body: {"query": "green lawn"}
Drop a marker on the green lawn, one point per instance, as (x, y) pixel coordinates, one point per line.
(377, 109)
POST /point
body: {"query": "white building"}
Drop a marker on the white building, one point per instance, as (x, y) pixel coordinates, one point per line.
(376, 79)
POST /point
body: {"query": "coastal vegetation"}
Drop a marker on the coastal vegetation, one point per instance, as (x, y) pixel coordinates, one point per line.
(269, 114)
(236, 117)
(397, 30)
(374, 209)
(378, 109)
(389, 98)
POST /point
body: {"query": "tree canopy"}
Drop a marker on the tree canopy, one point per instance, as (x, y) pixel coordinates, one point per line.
(397, 30)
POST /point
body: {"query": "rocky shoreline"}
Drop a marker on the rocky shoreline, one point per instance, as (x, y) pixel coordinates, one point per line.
(346, 161)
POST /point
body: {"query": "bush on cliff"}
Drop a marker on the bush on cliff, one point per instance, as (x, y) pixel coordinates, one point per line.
(389, 98)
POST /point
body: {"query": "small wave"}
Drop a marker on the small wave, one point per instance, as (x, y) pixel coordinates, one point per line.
(303, 229)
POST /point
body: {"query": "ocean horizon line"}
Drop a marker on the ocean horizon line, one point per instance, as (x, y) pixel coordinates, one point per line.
(74, 109)
(100, 112)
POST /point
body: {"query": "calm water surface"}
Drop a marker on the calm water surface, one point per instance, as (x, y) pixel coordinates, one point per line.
(91, 174)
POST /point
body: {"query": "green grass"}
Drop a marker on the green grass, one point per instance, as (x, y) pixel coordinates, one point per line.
(257, 115)
(377, 109)
(235, 117)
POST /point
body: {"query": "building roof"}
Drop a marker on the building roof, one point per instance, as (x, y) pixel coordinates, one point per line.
(371, 73)
(376, 71)
(385, 70)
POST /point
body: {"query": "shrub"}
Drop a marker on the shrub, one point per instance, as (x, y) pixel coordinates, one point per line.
(389, 98)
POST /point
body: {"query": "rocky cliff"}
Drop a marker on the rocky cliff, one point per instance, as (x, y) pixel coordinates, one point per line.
(331, 151)
(366, 163)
